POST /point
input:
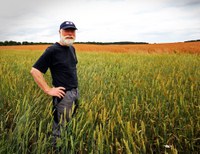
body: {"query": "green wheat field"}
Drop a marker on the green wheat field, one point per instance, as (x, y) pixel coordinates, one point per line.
(129, 103)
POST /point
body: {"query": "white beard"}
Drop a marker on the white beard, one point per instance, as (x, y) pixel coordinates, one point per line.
(66, 41)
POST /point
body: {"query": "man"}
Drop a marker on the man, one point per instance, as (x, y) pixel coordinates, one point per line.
(62, 61)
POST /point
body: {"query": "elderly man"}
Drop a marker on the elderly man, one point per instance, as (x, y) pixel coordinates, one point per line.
(61, 59)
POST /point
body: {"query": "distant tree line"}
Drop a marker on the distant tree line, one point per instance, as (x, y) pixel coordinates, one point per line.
(107, 43)
(193, 40)
(8, 43)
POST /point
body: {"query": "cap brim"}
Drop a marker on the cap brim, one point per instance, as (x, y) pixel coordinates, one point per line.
(69, 27)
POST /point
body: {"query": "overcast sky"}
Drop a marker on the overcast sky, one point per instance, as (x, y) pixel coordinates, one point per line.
(153, 21)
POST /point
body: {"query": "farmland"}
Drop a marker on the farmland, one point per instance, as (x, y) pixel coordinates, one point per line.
(134, 99)
(190, 47)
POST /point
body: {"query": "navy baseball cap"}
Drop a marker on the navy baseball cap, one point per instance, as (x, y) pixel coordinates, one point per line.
(68, 25)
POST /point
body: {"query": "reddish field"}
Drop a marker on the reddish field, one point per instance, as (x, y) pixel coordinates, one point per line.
(190, 47)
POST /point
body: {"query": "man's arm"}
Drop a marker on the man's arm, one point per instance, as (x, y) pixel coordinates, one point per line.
(40, 80)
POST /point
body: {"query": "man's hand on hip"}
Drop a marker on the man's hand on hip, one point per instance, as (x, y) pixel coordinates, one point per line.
(56, 91)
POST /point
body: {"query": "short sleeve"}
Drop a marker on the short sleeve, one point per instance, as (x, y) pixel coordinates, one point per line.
(43, 63)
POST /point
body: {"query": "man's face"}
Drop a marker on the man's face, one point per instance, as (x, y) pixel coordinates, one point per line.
(67, 36)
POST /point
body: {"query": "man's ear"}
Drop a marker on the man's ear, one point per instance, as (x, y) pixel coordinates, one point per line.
(60, 31)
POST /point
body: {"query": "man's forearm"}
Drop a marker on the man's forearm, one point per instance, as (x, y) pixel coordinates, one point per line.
(40, 80)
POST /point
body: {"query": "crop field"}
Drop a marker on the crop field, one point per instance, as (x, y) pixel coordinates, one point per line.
(190, 47)
(132, 100)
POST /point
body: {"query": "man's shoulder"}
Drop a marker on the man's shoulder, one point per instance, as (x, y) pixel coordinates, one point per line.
(56, 46)
(72, 48)
(52, 48)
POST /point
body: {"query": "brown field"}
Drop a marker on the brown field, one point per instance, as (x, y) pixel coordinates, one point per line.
(189, 47)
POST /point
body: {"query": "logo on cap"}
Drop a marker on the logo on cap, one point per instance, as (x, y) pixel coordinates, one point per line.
(69, 23)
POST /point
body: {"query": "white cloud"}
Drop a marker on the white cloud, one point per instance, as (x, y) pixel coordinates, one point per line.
(106, 21)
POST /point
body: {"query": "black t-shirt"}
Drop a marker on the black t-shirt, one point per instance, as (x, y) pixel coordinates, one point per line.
(62, 63)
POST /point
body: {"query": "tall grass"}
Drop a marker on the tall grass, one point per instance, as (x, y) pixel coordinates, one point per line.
(130, 103)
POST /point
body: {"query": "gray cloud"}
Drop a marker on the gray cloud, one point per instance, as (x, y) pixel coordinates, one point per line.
(151, 21)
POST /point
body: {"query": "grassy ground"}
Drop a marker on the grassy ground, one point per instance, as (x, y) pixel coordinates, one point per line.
(130, 103)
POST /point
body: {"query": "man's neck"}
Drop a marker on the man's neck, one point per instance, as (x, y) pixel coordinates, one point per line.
(60, 43)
